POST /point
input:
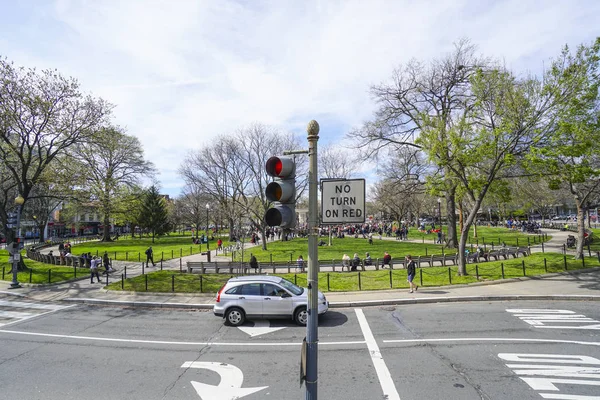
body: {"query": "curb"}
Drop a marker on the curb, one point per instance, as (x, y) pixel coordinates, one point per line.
(346, 304)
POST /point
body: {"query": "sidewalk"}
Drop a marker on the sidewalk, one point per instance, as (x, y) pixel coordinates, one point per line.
(584, 285)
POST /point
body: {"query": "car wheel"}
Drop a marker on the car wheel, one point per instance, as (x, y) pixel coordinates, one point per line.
(235, 316)
(301, 316)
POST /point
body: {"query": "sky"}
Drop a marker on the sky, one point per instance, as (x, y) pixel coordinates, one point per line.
(181, 73)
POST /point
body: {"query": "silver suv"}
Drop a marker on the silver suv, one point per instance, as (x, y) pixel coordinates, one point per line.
(263, 296)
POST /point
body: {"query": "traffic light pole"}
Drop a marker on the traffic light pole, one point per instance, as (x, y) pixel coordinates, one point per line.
(312, 325)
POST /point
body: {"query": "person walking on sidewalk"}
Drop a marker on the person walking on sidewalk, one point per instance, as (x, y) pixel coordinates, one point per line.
(94, 269)
(411, 272)
(150, 257)
(300, 263)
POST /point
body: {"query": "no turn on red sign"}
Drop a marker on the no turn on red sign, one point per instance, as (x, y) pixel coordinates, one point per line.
(343, 201)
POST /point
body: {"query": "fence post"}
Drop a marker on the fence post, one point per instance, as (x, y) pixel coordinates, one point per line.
(391, 279)
(96, 253)
(420, 276)
(30, 274)
(173, 283)
(180, 265)
(502, 267)
(565, 261)
(146, 281)
(528, 242)
(425, 250)
(49, 275)
(589, 251)
(545, 265)
(359, 283)
(107, 279)
(328, 282)
(523, 263)
(139, 256)
(142, 268)
(543, 251)
(74, 271)
(3, 268)
(449, 275)
(122, 282)
(115, 255)
(172, 254)
(271, 259)
(201, 288)
(582, 260)
(517, 242)
(180, 252)
(126, 256)
(476, 271)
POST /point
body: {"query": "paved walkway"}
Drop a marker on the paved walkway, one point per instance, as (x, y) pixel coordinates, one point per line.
(584, 285)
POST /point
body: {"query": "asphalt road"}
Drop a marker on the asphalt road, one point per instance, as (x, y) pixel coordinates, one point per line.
(496, 350)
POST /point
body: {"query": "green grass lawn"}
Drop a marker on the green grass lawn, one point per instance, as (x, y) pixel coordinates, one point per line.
(37, 272)
(165, 247)
(289, 251)
(535, 265)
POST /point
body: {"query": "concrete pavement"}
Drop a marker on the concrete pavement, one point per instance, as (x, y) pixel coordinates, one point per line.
(576, 285)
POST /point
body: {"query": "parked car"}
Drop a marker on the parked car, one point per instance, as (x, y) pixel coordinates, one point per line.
(263, 296)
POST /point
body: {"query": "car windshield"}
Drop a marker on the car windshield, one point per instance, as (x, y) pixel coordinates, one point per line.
(297, 290)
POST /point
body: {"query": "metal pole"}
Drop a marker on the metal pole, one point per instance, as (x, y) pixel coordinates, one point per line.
(312, 325)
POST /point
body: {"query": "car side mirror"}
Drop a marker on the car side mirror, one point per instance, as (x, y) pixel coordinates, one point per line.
(285, 294)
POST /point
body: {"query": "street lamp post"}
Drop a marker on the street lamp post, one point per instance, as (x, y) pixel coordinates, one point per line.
(439, 201)
(16, 252)
(207, 208)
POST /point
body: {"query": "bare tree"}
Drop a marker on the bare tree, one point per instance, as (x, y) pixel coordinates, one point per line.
(423, 97)
(336, 162)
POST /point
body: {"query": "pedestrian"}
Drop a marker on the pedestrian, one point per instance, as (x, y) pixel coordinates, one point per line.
(150, 257)
(253, 262)
(300, 263)
(439, 236)
(94, 269)
(106, 263)
(346, 262)
(355, 262)
(411, 271)
(219, 244)
(370, 238)
(387, 260)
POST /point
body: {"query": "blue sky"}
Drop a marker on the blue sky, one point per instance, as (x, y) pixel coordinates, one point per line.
(182, 72)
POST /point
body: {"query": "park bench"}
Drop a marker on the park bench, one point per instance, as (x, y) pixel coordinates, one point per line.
(442, 259)
(213, 266)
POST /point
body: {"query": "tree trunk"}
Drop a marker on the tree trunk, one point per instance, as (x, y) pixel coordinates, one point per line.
(462, 245)
(231, 227)
(451, 207)
(106, 229)
(580, 231)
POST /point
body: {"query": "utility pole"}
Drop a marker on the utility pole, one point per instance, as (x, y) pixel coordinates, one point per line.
(312, 325)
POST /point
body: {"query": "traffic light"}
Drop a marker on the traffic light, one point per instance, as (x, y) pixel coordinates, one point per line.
(282, 191)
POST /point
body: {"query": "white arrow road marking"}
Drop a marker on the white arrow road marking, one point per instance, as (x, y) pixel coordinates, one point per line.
(259, 328)
(230, 387)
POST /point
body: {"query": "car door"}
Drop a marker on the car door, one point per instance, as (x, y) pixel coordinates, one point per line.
(250, 299)
(277, 301)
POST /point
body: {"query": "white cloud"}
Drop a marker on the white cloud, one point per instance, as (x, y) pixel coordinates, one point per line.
(182, 72)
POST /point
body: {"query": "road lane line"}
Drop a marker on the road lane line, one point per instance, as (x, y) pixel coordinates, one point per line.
(383, 373)
(102, 339)
(492, 340)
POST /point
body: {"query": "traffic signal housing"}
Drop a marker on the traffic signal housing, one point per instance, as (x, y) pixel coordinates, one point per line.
(282, 192)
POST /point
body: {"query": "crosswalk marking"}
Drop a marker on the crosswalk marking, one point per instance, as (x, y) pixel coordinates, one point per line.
(22, 304)
(12, 312)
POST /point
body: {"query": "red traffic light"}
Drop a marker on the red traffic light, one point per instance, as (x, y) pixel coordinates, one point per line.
(280, 167)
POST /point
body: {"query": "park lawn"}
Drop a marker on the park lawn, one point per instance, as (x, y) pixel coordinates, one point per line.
(37, 272)
(485, 236)
(288, 251)
(165, 248)
(535, 265)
